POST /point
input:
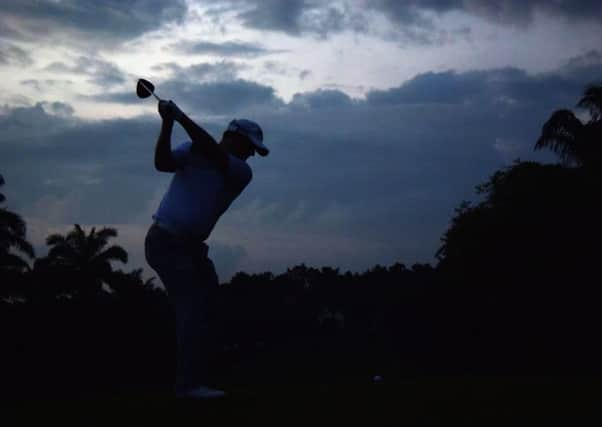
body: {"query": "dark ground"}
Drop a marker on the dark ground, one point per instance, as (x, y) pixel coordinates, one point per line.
(484, 401)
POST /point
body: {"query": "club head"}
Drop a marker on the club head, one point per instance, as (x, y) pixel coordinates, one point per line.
(144, 88)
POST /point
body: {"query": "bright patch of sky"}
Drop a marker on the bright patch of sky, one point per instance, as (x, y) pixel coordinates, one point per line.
(352, 62)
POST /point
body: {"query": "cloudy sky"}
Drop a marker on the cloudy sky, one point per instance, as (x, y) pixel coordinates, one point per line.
(381, 115)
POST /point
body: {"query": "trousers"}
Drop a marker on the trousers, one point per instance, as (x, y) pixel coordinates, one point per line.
(191, 283)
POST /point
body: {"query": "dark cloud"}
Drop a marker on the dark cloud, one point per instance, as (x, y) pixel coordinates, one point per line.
(505, 85)
(40, 85)
(591, 58)
(228, 97)
(101, 72)
(413, 18)
(275, 15)
(321, 99)
(520, 11)
(585, 67)
(275, 67)
(442, 88)
(222, 97)
(205, 87)
(412, 12)
(26, 124)
(514, 12)
(11, 54)
(295, 17)
(285, 69)
(304, 74)
(230, 48)
(59, 108)
(218, 71)
(87, 159)
(348, 182)
(102, 22)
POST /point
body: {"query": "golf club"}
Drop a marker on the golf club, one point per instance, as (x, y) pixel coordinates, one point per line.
(144, 89)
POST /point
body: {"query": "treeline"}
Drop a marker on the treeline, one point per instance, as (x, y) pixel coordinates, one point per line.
(516, 290)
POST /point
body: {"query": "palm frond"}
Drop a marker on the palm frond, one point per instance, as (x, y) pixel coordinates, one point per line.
(560, 134)
(77, 238)
(150, 282)
(12, 233)
(78, 230)
(24, 246)
(592, 101)
(105, 233)
(55, 239)
(98, 240)
(113, 253)
(13, 222)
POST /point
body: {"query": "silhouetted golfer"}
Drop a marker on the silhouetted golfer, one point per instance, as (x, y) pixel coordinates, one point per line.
(208, 177)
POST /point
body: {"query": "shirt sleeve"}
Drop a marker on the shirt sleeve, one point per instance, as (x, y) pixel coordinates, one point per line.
(181, 154)
(239, 174)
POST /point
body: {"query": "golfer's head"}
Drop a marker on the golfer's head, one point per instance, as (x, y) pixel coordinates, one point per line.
(244, 138)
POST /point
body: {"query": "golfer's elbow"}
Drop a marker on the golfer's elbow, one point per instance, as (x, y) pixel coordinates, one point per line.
(165, 165)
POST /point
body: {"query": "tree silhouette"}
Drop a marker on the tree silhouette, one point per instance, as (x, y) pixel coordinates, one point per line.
(12, 239)
(572, 140)
(532, 213)
(132, 287)
(82, 259)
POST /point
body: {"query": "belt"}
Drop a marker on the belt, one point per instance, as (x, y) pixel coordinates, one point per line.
(167, 227)
(190, 237)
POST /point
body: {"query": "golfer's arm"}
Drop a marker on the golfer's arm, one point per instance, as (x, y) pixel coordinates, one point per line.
(205, 143)
(164, 161)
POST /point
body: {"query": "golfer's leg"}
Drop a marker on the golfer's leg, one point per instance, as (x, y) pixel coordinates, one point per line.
(193, 326)
(176, 269)
(189, 307)
(190, 279)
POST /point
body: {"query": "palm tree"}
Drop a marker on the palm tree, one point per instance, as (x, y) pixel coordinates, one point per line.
(84, 258)
(12, 245)
(576, 143)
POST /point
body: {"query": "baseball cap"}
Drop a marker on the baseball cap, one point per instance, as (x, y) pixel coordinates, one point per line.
(252, 131)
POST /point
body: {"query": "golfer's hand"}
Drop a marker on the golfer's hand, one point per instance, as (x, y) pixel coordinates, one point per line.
(168, 110)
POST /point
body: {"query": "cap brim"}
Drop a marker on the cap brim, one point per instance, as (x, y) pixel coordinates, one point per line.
(260, 148)
(262, 151)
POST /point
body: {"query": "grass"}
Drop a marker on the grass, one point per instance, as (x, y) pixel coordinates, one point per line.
(484, 401)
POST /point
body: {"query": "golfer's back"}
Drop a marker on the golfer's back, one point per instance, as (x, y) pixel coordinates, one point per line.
(199, 193)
